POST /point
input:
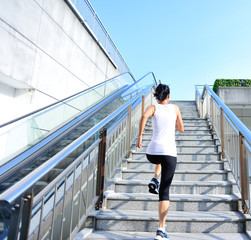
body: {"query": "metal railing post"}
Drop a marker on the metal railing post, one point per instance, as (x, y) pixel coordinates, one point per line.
(202, 112)
(244, 175)
(212, 113)
(130, 129)
(26, 216)
(143, 104)
(222, 134)
(101, 169)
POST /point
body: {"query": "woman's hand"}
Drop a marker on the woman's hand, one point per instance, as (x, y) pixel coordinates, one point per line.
(139, 142)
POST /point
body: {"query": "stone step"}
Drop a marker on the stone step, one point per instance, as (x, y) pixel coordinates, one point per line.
(186, 131)
(189, 110)
(186, 128)
(177, 187)
(188, 123)
(185, 175)
(184, 137)
(179, 202)
(193, 222)
(182, 156)
(117, 235)
(181, 165)
(187, 115)
(184, 149)
(189, 143)
(194, 120)
(184, 103)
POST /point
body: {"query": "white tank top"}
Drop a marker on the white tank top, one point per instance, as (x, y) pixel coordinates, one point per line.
(163, 139)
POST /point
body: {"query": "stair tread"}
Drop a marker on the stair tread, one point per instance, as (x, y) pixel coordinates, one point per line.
(125, 235)
(126, 170)
(176, 182)
(179, 161)
(172, 215)
(187, 146)
(174, 197)
(180, 153)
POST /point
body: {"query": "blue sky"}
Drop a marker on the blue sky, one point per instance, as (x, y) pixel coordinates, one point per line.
(184, 42)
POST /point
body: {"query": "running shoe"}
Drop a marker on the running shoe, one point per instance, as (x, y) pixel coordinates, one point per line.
(161, 235)
(154, 186)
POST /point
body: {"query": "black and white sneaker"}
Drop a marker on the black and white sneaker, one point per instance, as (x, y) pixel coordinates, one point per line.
(161, 235)
(154, 186)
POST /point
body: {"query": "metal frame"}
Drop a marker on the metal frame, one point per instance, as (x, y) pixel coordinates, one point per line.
(234, 136)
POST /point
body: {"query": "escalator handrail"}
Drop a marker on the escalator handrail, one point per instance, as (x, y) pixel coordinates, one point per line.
(153, 78)
(62, 101)
(28, 181)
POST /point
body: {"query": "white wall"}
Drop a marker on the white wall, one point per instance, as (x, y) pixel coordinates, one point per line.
(239, 101)
(44, 51)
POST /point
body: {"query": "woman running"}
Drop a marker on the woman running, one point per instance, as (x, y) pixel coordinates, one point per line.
(161, 150)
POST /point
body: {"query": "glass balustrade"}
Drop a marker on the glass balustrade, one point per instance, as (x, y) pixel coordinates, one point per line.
(21, 135)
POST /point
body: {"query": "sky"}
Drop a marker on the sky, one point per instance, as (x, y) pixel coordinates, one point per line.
(183, 42)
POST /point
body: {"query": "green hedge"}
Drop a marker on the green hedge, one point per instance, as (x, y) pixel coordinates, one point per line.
(231, 83)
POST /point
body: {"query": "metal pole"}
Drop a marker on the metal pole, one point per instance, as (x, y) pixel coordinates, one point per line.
(63, 207)
(130, 128)
(201, 103)
(101, 169)
(222, 134)
(212, 114)
(143, 104)
(26, 215)
(54, 210)
(72, 199)
(244, 175)
(41, 219)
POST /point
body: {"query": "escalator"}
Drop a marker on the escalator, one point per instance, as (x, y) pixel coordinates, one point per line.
(73, 126)
(51, 133)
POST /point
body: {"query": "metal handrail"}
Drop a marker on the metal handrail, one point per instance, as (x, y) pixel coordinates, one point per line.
(28, 181)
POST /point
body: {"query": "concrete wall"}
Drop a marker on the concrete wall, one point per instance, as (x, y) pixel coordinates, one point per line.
(238, 99)
(45, 54)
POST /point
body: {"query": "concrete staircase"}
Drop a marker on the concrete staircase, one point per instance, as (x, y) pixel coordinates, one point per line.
(203, 205)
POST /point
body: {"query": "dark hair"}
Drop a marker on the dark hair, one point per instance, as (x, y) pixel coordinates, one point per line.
(161, 92)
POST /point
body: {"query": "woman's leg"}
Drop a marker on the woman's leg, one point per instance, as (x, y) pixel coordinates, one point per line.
(168, 166)
(154, 183)
(163, 210)
(157, 171)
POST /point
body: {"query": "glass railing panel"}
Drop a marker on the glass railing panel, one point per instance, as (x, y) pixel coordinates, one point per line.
(86, 12)
(21, 135)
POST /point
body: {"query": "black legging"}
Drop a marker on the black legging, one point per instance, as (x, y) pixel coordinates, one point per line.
(168, 165)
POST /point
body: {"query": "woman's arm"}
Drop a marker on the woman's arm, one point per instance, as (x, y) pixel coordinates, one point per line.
(179, 122)
(148, 113)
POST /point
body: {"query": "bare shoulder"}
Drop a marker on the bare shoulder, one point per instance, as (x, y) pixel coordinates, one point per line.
(150, 111)
(176, 108)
